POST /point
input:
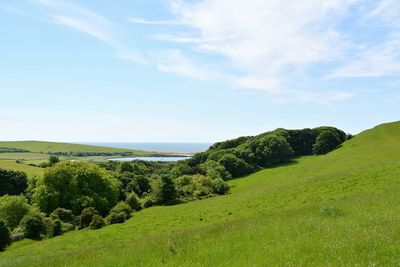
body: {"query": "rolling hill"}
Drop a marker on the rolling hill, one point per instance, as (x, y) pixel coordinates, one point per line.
(54, 147)
(339, 209)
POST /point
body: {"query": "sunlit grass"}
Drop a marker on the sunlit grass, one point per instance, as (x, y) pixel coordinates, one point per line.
(339, 209)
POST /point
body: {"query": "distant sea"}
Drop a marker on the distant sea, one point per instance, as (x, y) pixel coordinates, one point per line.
(159, 147)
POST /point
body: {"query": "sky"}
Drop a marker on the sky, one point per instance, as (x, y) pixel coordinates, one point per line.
(195, 70)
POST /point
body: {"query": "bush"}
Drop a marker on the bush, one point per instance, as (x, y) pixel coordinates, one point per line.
(147, 202)
(33, 225)
(133, 201)
(13, 209)
(220, 187)
(64, 215)
(215, 170)
(66, 227)
(87, 216)
(12, 182)
(124, 208)
(56, 228)
(5, 236)
(235, 166)
(116, 217)
(74, 186)
(97, 222)
(326, 142)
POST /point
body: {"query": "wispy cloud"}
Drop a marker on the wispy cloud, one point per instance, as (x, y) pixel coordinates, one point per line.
(91, 23)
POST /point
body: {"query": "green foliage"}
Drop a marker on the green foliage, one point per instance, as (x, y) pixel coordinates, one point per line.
(97, 222)
(13, 209)
(235, 166)
(199, 186)
(5, 235)
(33, 225)
(53, 160)
(163, 190)
(214, 170)
(139, 184)
(116, 217)
(12, 182)
(265, 150)
(326, 142)
(133, 201)
(56, 228)
(87, 216)
(74, 186)
(272, 217)
(124, 208)
(62, 214)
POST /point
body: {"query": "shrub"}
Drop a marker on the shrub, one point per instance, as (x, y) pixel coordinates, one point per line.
(33, 225)
(124, 208)
(215, 170)
(133, 201)
(97, 222)
(234, 165)
(66, 227)
(13, 209)
(12, 182)
(5, 236)
(74, 186)
(220, 187)
(64, 215)
(87, 216)
(326, 142)
(56, 228)
(147, 202)
(116, 217)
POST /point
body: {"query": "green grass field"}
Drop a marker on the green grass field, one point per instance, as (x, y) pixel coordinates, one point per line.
(341, 209)
(52, 147)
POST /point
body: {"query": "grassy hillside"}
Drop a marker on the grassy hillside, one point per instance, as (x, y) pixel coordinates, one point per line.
(53, 147)
(29, 170)
(339, 209)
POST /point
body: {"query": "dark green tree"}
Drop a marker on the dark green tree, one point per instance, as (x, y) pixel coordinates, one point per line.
(326, 142)
(235, 166)
(33, 225)
(163, 190)
(5, 236)
(12, 182)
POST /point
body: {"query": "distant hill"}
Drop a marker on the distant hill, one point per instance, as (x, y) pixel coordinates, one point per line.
(339, 209)
(56, 147)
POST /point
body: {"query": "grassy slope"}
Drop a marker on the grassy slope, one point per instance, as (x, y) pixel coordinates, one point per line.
(51, 147)
(272, 217)
(29, 170)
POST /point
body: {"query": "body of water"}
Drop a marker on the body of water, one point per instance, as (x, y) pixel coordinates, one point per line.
(163, 159)
(159, 147)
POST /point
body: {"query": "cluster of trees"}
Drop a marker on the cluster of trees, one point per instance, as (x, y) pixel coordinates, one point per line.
(12, 150)
(76, 195)
(92, 154)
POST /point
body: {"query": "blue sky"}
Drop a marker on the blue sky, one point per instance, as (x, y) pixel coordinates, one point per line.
(205, 70)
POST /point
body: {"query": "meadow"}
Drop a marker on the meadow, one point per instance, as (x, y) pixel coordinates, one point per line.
(39, 152)
(338, 209)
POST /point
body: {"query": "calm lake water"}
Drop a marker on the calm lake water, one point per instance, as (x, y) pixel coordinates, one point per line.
(159, 147)
(163, 159)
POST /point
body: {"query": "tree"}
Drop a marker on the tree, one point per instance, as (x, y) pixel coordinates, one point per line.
(64, 215)
(33, 225)
(234, 165)
(97, 222)
(13, 209)
(12, 182)
(74, 186)
(87, 216)
(5, 236)
(326, 142)
(214, 170)
(56, 228)
(163, 190)
(53, 160)
(133, 201)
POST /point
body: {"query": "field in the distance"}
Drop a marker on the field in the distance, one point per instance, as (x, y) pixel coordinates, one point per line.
(53, 147)
(39, 152)
(339, 209)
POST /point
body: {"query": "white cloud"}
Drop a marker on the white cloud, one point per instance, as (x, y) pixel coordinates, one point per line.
(173, 61)
(377, 61)
(91, 23)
